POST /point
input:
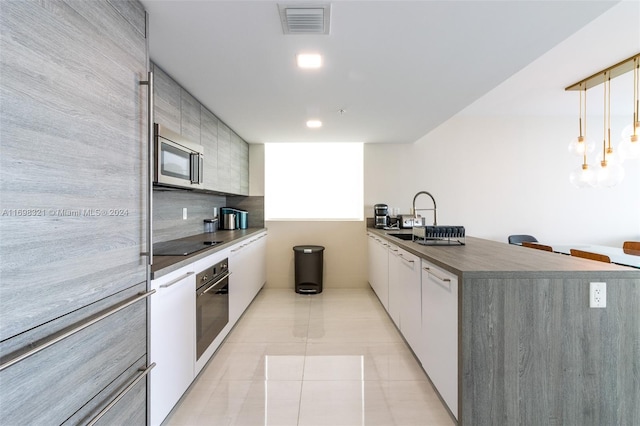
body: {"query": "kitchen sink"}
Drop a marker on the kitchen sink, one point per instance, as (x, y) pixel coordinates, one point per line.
(406, 237)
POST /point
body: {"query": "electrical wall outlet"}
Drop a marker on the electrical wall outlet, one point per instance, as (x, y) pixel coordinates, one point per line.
(597, 295)
(184, 213)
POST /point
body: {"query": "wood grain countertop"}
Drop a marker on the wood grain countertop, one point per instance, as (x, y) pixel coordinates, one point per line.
(480, 257)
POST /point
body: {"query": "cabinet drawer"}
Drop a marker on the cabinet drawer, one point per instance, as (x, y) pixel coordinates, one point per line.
(72, 374)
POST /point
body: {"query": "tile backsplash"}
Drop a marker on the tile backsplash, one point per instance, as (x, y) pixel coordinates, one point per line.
(168, 204)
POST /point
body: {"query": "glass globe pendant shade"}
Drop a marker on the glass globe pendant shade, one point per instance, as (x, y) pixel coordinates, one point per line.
(582, 177)
(609, 175)
(578, 145)
(611, 155)
(629, 130)
(629, 146)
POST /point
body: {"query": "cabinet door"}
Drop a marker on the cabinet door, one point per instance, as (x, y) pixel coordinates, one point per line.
(382, 272)
(247, 264)
(172, 341)
(371, 257)
(379, 268)
(79, 375)
(439, 354)
(224, 157)
(167, 101)
(244, 168)
(189, 117)
(209, 141)
(395, 290)
(410, 313)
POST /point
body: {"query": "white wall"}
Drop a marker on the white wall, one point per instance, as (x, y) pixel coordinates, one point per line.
(501, 166)
(505, 175)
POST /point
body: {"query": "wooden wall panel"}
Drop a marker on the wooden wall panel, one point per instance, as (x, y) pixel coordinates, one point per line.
(534, 353)
(73, 224)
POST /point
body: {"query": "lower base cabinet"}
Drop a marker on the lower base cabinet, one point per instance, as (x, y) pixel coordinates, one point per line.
(410, 315)
(423, 303)
(172, 341)
(173, 319)
(247, 264)
(395, 291)
(439, 351)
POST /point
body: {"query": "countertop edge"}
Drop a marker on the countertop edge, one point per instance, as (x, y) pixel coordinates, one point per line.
(481, 258)
(163, 265)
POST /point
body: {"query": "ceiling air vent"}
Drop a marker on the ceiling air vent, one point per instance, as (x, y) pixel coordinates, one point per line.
(308, 19)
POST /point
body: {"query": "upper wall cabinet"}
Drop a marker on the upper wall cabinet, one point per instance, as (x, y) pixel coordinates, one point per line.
(209, 141)
(189, 116)
(167, 101)
(226, 155)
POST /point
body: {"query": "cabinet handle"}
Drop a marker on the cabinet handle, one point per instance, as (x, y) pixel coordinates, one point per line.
(150, 166)
(55, 338)
(215, 284)
(406, 260)
(426, 268)
(143, 373)
(177, 280)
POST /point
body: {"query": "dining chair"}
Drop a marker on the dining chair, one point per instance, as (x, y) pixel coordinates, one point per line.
(590, 255)
(631, 247)
(517, 239)
(536, 246)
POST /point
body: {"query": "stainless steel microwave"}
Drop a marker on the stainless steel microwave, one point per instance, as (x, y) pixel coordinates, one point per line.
(178, 162)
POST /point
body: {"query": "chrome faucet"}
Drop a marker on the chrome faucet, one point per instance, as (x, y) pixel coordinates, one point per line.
(435, 222)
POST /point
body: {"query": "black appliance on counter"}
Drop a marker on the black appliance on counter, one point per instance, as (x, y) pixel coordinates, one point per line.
(181, 247)
(381, 215)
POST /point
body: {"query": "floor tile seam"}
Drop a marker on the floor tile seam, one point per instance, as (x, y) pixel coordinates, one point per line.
(304, 361)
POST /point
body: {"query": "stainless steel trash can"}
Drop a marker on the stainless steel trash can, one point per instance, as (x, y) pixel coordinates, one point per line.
(308, 269)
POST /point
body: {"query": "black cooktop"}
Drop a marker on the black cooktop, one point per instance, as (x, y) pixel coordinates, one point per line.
(181, 248)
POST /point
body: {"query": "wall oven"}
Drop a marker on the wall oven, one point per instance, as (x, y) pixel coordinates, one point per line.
(178, 162)
(212, 304)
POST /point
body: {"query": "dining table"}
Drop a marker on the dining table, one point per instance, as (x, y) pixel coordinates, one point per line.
(618, 255)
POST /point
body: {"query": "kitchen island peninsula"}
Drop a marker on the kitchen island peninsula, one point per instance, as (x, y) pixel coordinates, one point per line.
(527, 348)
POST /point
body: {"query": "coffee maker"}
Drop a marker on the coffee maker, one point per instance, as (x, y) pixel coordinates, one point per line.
(381, 215)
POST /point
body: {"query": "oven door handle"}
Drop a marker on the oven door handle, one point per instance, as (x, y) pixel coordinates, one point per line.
(212, 286)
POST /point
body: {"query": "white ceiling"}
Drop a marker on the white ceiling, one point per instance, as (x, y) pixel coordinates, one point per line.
(398, 68)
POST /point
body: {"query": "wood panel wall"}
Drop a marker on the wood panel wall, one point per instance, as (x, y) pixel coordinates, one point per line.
(73, 224)
(534, 353)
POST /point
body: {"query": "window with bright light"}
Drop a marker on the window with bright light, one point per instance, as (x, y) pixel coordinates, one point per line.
(313, 181)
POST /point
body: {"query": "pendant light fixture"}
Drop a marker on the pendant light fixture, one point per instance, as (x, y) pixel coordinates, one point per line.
(609, 171)
(581, 145)
(583, 176)
(630, 144)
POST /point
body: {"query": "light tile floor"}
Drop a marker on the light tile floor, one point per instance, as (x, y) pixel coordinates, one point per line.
(328, 359)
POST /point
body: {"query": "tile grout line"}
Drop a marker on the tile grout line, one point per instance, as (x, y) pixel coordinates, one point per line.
(304, 360)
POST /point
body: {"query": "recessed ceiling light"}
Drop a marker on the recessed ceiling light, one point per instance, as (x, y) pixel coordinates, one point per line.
(309, 60)
(314, 124)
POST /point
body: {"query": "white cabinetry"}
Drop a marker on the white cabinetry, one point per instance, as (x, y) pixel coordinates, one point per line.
(439, 351)
(172, 340)
(395, 291)
(379, 268)
(247, 264)
(410, 313)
